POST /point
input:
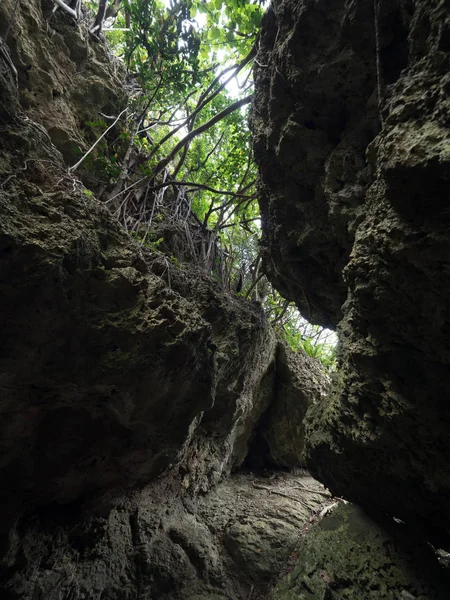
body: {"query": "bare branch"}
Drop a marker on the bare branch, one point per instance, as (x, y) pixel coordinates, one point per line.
(200, 186)
(205, 99)
(254, 284)
(100, 16)
(64, 6)
(282, 313)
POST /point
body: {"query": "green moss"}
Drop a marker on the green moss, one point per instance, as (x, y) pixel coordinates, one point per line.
(349, 557)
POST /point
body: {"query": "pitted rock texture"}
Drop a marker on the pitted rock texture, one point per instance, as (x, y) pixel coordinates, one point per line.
(314, 113)
(66, 82)
(352, 136)
(348, 557)
(226, 545)
(110, 357)
(115, 362)
(299, 383)
(233, 543)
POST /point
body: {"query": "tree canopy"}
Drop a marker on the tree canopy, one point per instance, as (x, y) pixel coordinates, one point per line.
(183, 154)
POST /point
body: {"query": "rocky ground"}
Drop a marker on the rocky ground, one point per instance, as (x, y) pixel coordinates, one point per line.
(229, 544)
(256, 536)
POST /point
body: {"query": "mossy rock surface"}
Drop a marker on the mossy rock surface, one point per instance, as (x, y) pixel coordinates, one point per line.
(115, 362)
(354, 170)
(156, 545)
(301, 382)
(349, 557)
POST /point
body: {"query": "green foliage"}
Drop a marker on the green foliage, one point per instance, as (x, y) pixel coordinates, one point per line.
(162, 40)
(181, 53)
(229, 26)
(148, 239)
(326, 353)
(299, 334)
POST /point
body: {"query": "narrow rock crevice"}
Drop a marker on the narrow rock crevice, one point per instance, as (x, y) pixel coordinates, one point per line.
(141, 405)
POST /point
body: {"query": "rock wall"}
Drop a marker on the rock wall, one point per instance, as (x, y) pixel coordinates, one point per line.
(348, 556)
(351, 134)
(66, 82)
(128, 383)
(117, 363)
(107, 366)
(279, 438)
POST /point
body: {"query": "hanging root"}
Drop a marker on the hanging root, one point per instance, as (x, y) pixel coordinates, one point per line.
(61, 4)
(376, 14)
(4, 52)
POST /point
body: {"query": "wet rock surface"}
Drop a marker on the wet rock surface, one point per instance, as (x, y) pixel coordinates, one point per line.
(352, 137)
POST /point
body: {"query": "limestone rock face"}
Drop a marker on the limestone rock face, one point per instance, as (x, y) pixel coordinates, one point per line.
(116, 363)
(229, 544)
(222, 546)
(352, 137)
(110, 357)
(66, 83)
(314, 113)
(347, 556)
(300, 384)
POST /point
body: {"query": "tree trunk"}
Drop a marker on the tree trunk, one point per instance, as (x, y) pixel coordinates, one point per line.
(97, 26)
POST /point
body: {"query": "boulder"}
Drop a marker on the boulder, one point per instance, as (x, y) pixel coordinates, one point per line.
(116, 362)
(226, 545)
(110, 356)
(301, 382)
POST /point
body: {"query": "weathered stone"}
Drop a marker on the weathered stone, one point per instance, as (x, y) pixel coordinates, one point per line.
(352, 138)
(122, 362)
(111, 356)
(118, 364)
(314, 114)
(229, 544)
(65, 81)
(261, 547)
(347, 556)
(154, 545)
(300, 383)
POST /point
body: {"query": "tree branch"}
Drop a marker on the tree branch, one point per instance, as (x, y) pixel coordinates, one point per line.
(205, 99)
(71, 169)
(282, 313)
(200, 186)
(195, 132)
(67, 8)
